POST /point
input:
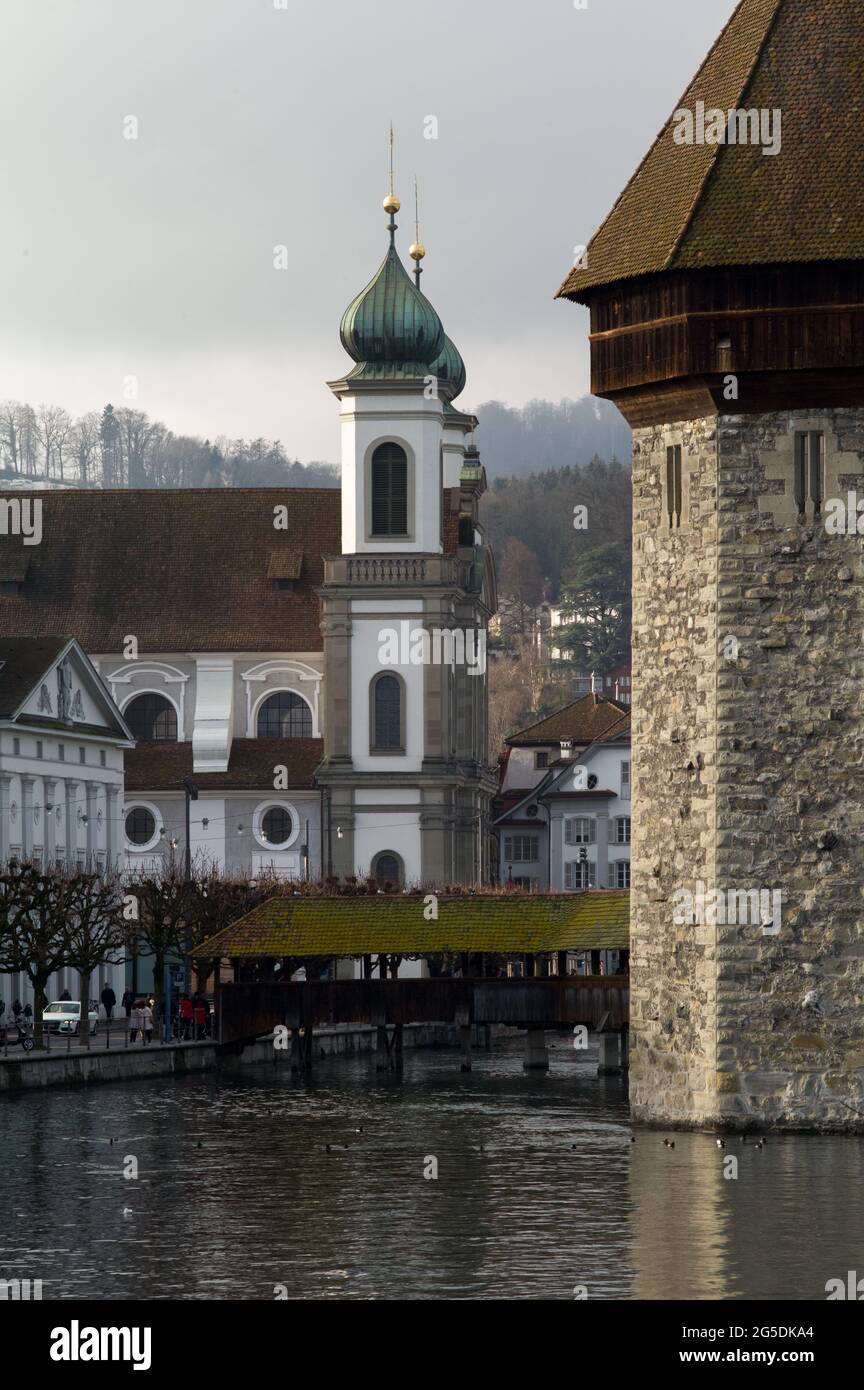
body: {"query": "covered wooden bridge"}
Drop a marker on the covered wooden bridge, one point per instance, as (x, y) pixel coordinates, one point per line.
(496, 958)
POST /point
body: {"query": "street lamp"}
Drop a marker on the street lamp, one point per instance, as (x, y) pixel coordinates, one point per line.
(191, 791)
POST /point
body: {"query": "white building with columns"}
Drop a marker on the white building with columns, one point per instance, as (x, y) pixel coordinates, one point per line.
(62, 743)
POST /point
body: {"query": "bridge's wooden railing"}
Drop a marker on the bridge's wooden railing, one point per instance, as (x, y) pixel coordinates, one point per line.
(251, 1010)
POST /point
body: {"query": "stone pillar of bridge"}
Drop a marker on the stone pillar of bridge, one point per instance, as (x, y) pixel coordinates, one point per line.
(609, 1063)
(536, 1052)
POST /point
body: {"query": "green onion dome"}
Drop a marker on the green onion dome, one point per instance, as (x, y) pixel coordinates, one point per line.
(391, 323)
(449, 369)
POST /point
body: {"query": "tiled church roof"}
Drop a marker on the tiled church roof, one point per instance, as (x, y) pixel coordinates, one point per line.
(691, 206)
(157, 767)
(182, 570)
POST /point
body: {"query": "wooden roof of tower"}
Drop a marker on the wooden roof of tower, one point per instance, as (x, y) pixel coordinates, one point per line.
(692, 206)
(719, 258)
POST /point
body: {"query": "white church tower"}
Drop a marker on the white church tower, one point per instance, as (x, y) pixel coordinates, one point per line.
(406, 780)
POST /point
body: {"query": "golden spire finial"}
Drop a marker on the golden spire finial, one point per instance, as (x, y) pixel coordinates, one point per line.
(418, 250)
(391, 202)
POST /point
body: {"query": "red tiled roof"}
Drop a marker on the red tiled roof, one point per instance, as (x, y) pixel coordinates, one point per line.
(180, 570)
(585, 721)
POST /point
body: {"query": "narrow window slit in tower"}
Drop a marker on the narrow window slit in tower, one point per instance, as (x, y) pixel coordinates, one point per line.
(800, 473)
(816, 471)
(808, 471)
(673, 485)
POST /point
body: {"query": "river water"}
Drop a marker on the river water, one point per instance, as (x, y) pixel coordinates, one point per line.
(539, 1191)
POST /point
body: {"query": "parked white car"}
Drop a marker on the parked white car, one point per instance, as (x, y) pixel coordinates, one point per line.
(64, 1016)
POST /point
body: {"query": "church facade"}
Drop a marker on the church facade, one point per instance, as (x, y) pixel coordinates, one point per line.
(303, 670)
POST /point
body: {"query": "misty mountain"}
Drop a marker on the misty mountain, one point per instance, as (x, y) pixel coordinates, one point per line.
(544, 436)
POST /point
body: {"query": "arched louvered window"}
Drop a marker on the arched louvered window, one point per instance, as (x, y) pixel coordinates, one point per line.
(388, 715)
(152, 719)
(284, 715)
(389, 491)
(387, 870)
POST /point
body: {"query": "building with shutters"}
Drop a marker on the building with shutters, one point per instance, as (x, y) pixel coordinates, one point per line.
(563, 821)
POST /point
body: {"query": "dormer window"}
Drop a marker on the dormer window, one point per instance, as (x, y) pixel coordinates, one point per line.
(389, 491)
(283, 570)
(13, 572)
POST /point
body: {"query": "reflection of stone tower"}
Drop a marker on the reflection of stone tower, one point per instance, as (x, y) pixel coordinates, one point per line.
(726, 290)
(405, 771)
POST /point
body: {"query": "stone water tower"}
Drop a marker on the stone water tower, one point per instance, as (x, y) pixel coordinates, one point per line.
(726, 291)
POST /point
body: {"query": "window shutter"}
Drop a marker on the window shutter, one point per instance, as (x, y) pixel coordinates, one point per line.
(387, 708)
(508, 847)
(568, 831)
(592, 832)
(568, 874)
(389, 491)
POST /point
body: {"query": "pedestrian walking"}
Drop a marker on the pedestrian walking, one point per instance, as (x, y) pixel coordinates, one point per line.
(147, 1023)
(127, 1001)
(109, 999)
(136, 1020)
(200, 1015)
(187, 1016)
(65, 995)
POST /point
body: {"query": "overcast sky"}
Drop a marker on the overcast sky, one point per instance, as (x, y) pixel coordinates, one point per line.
(261, 126)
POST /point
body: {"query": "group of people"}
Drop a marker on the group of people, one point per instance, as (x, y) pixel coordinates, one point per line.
(190, 1024)
(194, 1019)
(140, 1017)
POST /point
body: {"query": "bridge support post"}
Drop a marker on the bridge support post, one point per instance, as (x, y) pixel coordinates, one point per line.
(381, 1049)
(625, 1049)
(536, 1053)
(609, 1063)
(295, 1049)
(465, 1039)
(397, 1055)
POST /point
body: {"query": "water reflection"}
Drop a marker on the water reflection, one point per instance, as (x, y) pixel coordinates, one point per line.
(539, 1190)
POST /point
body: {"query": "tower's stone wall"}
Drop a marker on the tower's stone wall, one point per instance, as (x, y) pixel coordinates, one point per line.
(748, 757)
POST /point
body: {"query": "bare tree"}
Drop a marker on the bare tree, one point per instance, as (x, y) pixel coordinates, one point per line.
(96, 931)
(34, 928)
(84, 446)
(52, 428)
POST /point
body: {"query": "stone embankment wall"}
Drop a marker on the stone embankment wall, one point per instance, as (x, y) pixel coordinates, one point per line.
(178, 1059)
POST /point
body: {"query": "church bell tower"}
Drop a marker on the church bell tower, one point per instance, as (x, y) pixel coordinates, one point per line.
(405, 606)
